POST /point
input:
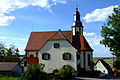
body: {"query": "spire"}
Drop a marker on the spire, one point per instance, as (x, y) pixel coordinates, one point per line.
(77, 24)
(77, 21)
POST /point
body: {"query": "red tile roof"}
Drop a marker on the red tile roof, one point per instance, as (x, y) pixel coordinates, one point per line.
(38, 39)
(58, 36)
(32, 60)
(84, 44)
(7, 66)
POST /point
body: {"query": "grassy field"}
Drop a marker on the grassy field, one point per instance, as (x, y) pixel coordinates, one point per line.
(108, 60)
(8, 78)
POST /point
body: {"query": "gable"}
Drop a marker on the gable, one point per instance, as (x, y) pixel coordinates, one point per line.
(106, 65)
(64, 46)
(57, 36)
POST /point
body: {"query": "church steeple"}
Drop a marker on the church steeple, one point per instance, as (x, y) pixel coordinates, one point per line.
(77, 24)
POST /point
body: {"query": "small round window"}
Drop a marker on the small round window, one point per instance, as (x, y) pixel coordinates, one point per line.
(56, 45)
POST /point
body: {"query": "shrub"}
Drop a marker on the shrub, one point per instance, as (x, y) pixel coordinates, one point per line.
(117, 64)
(34, 72)
(66, 72)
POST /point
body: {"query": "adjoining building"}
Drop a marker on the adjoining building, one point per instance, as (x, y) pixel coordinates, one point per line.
(10, 69)
(58, 48)
(103, 67)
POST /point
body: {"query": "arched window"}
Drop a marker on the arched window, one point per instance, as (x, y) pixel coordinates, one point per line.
(66, 56)
(89, 60)
(31, 55)
(56, 45)
(78, 56)
(45, 56)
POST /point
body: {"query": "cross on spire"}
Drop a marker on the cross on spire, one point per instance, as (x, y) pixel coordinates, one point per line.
(76, 5)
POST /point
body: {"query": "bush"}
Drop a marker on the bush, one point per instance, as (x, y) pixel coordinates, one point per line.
(66, 72)
(34, 72)
(117, 64)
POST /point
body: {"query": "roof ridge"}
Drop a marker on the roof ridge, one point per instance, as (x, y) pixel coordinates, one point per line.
(62, 34)
(58, 32)
(66, 38)
(49, 31)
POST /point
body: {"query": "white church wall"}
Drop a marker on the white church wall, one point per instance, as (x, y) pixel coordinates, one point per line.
(56, 55)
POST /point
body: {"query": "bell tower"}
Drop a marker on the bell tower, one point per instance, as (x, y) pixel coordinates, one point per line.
(77, 26)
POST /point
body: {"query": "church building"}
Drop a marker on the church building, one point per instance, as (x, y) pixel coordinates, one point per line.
(58, 48)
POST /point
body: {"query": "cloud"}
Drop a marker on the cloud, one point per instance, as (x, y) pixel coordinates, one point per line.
(99, 14)
(99, 49)
(59, 1)
(6, 6)
(12, 38)
(88, 34)
(6, 20)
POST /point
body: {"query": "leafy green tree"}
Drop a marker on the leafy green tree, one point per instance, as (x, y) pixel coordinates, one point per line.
(34, 72)
(10, 54)
(111, 32)
(2, 50)
(117, 64)
(66, 72)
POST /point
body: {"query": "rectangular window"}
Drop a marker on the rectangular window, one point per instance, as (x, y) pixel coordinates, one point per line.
(45, 56)
(67, 56)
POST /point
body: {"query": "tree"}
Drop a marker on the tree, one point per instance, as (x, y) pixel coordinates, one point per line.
(111, 32)
(10, 54)
(66, 72)
(34, 72)
(2, 50)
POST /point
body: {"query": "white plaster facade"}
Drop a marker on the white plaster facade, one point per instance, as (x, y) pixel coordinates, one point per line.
(100, 67)
(56, 55)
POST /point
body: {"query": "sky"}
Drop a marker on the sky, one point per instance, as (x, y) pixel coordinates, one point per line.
(18, 18)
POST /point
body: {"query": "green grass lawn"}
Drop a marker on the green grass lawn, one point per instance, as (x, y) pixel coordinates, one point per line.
(8, 78)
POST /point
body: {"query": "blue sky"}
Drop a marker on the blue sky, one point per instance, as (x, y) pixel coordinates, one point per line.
(20, 17)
